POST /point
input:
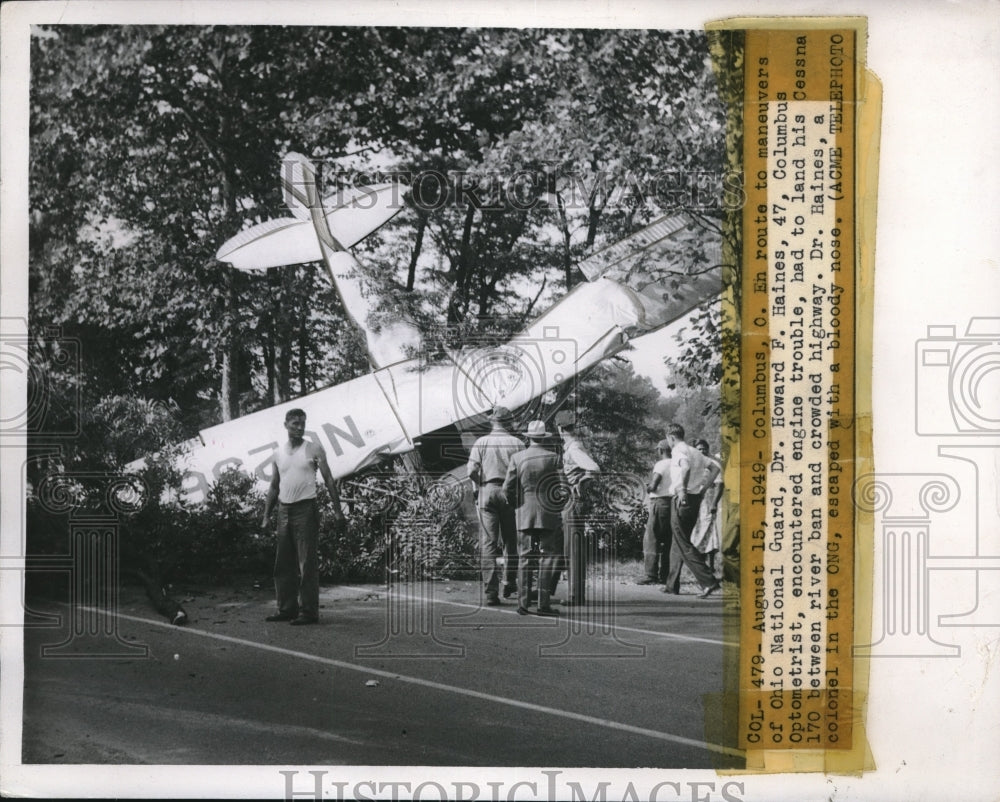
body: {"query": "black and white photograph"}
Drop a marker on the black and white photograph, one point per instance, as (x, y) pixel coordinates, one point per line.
(383, 422)
(370, 403)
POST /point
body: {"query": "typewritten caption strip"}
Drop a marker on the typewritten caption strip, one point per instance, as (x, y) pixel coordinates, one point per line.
(803, 388)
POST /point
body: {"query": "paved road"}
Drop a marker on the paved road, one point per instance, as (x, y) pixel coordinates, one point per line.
(424, 676)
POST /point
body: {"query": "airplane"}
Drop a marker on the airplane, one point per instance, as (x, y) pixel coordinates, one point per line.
(409, 398)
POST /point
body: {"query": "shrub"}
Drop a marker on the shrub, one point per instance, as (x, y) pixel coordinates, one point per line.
(432, 538)
(227, 537)
(400, 526)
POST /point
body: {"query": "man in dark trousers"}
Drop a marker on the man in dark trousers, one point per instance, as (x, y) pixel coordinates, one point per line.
(488, 462)
(534, 487)
(657, 539)
(690, 476)
(579, 468)
(293, 487)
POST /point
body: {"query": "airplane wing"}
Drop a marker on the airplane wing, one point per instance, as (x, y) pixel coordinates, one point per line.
(354, 215)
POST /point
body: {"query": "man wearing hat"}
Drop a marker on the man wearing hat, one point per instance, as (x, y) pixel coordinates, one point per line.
(657, 538)
(579, 468)
(488, 463)
(534, 486)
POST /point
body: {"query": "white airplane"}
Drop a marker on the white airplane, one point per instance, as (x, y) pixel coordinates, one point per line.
(408, 397)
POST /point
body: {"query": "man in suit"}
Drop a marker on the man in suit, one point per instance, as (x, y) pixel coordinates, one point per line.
(488, 463)
(534, 487)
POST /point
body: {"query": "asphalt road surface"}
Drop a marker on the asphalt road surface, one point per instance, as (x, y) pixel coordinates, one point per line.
(421, 676)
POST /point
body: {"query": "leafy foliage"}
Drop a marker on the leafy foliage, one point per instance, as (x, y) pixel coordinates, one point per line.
(534, 146)
(529, 149)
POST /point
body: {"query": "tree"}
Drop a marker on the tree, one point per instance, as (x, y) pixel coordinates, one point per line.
(151, 146)
(193, 123)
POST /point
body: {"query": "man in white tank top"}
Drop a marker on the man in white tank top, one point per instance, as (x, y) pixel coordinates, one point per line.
(293, 487)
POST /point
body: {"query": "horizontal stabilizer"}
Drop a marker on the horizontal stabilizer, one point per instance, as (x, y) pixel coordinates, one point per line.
(288, 241)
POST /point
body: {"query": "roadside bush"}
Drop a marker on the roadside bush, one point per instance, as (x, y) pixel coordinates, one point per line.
(622, 538)
(353, 551)
(399, 526)
(433, 538)
(227, 538)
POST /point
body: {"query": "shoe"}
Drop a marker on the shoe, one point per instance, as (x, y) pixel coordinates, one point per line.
(646, 581)
(302, 620)
(493, 601)
(281, 617)
(547, 611)
(522, 611)
(509, 590)
(709, 591)
(668, 591)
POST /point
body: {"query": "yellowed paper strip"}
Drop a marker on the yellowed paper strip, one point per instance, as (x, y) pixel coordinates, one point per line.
(803, 389)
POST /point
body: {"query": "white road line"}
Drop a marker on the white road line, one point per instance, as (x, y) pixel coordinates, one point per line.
(440, 686)
(566, 617)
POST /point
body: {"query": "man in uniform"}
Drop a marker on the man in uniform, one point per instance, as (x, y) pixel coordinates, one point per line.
(690, 476)
(579, 468)
(488, 461)
(534, 487)
(293, 487)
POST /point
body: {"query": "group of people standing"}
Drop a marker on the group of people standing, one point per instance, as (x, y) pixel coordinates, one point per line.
(532, 504)
(683, 527)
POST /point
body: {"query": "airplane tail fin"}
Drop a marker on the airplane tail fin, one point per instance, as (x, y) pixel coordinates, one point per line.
(297, 175)
(388, 344)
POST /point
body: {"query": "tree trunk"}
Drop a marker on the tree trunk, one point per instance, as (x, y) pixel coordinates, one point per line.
(457, 304)
(268, 349)
(418, 243)
(229, 386)
(564, 229)
(304, 380)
